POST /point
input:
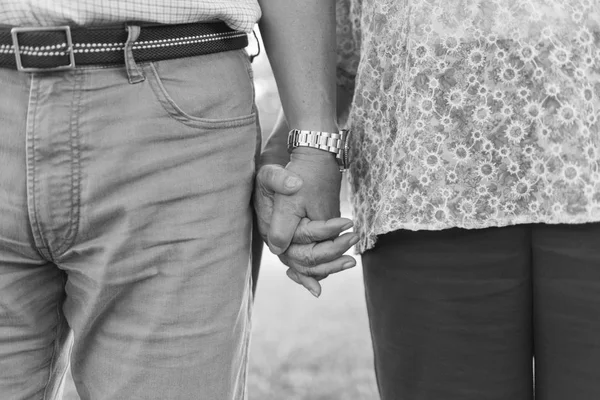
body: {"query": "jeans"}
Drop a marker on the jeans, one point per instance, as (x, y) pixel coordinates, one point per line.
(460, 314)
(125, 229)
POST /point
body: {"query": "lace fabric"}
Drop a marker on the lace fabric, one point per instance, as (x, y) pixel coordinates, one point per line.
(471, 113)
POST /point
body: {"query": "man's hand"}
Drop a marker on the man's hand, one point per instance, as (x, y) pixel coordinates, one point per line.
(316, 250)
(318, 199)
(272, 179)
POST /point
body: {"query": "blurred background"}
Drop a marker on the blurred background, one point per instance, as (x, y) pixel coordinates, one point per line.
(303, 348)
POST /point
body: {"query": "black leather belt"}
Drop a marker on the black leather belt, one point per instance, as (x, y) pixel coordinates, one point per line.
(61, 48)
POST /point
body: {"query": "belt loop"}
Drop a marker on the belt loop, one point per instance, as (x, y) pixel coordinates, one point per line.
(134, 72)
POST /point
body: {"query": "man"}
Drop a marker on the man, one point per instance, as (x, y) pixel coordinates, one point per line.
(126, 157)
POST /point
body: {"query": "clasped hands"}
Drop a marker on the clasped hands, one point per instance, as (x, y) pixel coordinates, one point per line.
(298, 212)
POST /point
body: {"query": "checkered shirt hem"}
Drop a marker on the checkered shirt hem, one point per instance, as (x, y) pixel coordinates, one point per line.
(238, 14)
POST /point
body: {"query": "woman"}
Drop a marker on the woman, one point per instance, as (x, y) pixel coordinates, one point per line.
(475, 173)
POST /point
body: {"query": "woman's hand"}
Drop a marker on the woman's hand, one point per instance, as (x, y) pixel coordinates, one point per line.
(317, 250)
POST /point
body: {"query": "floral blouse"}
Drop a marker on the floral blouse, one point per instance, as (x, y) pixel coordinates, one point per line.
(471, 113)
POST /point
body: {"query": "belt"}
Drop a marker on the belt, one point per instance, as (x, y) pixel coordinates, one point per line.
(62, 47)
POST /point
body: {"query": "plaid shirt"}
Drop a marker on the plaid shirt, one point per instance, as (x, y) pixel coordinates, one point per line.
(238, 14)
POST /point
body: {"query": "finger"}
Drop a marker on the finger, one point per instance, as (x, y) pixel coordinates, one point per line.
(317, 231)
(310, 283)
(332, 267)
(295, 276)
(276, 179)
(284, 221)
(311, 255)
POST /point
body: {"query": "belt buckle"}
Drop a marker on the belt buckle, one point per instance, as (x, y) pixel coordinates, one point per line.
(65, 28)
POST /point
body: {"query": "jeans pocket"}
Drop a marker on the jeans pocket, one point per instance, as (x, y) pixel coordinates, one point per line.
(209, 91)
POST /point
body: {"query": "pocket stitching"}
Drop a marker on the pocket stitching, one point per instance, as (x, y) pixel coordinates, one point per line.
(170, 106)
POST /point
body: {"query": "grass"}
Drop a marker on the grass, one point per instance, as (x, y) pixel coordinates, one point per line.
(303, 348)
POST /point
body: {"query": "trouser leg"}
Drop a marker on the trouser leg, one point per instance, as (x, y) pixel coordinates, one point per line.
(145, 205)
(566, 276)
(450, 314)
(33, 332)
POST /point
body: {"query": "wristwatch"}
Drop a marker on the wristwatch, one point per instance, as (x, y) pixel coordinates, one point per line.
(336, 143)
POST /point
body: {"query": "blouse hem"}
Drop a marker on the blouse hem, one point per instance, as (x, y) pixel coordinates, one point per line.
(369, 240)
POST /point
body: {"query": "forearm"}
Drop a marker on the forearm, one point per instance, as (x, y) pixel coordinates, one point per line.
(299, 38)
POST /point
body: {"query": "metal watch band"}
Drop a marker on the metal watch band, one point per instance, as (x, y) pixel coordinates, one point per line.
(334, 143)
(331, 142)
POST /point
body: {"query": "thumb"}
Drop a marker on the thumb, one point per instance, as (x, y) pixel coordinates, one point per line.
(274, 178)
(284, 220)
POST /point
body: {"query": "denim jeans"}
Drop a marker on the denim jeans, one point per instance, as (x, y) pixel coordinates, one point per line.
(125, 229)
(460, 314)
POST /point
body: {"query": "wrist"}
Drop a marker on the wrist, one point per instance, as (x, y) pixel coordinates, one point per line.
(273, 157)
(318, 145)
(310, 153)
(320, 123)
(321, 160)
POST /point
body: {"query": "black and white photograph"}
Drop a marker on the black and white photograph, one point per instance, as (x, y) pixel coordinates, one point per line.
(299, 199)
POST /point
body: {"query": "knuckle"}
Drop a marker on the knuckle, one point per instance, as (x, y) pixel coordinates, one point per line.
(308, 272)
(292, 258)
(303, 236)
(308, 236)
(307, 258)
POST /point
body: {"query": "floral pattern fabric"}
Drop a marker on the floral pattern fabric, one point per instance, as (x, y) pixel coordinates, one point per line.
(471, 113)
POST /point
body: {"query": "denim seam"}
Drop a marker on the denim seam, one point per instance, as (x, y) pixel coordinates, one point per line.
(248, 339)
(40, 240)
(250, 71)
(74, 212)
(178, 114)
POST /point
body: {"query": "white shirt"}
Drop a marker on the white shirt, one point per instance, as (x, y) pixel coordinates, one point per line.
(238, 14)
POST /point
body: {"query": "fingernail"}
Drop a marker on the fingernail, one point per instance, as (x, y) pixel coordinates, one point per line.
(347, 226)
(292, 182)
(354, 240)
(314, 293)
(348, 265)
